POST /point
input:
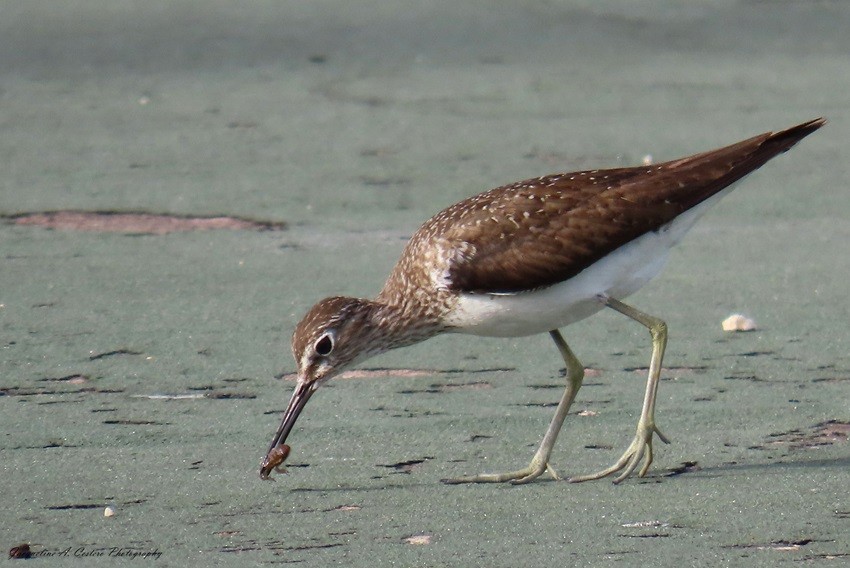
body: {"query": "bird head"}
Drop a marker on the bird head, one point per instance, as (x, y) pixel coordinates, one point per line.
(335, 334)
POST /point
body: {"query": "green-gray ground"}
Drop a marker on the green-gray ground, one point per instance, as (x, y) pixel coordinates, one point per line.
(353, 122)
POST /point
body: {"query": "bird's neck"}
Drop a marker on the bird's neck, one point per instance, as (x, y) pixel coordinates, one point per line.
(401, 324)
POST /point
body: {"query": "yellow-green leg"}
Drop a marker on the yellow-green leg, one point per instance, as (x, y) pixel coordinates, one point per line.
(540, 461)
(641, 446)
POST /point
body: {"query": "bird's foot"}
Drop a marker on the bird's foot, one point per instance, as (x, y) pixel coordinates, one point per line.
(640, 448)
(518, 477)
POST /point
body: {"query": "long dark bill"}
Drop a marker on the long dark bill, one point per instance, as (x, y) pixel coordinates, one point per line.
(300, 396)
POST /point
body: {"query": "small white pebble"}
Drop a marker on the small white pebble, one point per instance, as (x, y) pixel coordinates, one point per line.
(418, 539)
(144, 100)
(737, 322)
(108, 512)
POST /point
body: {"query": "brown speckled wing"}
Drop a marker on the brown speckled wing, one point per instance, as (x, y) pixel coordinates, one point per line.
(539, 232)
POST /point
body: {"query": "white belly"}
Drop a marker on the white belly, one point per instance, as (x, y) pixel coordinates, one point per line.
(617, 275)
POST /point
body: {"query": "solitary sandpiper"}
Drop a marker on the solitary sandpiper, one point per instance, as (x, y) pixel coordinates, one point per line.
(527, 258)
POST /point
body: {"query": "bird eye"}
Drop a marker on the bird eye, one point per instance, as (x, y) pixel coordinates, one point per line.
(324, 345)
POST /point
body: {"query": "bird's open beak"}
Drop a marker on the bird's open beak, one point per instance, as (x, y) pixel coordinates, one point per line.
(302, 393)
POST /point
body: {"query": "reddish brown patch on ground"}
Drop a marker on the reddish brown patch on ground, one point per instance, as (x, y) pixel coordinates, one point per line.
(137, 223)
(669, 370)
(374, 374)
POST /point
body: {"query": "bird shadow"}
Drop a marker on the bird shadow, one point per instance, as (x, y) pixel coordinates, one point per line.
(767, 468)
(690, 469)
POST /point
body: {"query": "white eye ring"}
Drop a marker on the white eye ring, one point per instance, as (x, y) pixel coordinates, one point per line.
(324, 345)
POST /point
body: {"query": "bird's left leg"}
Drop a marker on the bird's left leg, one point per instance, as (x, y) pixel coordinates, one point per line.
(641, 446)
(540, 461)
